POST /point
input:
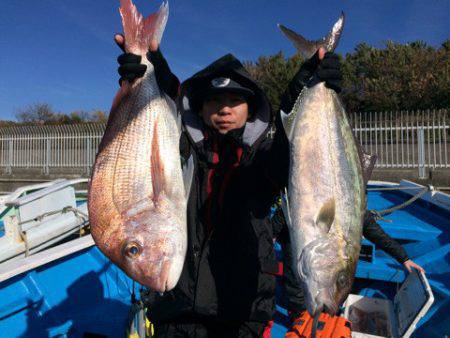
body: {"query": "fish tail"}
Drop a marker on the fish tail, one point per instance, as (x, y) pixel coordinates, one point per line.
(139, 32)
(307, 47)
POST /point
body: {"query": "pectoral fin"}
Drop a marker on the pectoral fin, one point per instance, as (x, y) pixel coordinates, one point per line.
(325, 217)
(188, 174)
(288, 124)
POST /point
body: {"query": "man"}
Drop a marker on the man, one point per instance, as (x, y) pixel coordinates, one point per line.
(227, 287)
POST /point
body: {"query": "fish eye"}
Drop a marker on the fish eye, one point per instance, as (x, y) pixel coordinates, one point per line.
(132, 249)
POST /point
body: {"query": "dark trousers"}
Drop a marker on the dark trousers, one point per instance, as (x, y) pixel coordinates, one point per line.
(209, 330)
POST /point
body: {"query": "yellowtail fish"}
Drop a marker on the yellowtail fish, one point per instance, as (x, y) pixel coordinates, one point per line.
(325, 201)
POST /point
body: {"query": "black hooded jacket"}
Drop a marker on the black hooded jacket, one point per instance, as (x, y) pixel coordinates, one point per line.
(230, 263)
(229, 271)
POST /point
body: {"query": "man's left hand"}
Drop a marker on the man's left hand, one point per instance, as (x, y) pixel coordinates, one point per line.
(325, 65)
(409, 265)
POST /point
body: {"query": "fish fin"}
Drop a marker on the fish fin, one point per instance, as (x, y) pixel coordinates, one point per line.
(178, 120)
(307, 47)
(173, 109)
(139, 32)
(325, 217)
(157, 166)
(288, 124)
(367, 161)
(285, 207)
(188, 174)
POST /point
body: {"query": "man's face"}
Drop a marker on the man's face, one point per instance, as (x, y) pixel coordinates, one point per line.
(225, 111)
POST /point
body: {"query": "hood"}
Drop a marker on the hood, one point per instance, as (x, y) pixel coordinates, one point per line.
(226, 66)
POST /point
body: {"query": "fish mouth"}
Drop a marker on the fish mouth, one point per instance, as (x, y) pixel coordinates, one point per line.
(323, 303)
(165, 281)
(327, 303)
(160, 283)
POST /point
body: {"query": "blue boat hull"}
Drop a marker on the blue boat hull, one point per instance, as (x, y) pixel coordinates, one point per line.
(85, 294)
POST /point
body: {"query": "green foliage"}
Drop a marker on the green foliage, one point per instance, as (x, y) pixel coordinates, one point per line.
(43, 114)
(273, 73)
(408, 77)
(397, 77)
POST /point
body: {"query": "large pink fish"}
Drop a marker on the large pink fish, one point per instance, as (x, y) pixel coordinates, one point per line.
(137, 199)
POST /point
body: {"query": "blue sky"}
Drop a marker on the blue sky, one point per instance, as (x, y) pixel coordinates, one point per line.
(62, 52)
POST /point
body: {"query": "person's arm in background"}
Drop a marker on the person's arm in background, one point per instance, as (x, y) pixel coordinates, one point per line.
(131, 68)
(374, 233)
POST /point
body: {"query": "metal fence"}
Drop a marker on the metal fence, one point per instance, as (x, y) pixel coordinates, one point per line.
(406, 139)
(401, 139)
(73, 146)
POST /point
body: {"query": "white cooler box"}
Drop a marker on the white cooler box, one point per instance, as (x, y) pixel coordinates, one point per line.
(375, 317)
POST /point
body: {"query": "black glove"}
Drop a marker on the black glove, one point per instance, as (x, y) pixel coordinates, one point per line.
(131, 68)
(328, 69)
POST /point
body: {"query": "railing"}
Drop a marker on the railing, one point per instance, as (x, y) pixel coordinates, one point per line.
(73, 146)
(402, 139)
(406, 139)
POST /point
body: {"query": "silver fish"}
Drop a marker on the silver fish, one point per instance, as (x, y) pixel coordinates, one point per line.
(137, 199)
(325, 201)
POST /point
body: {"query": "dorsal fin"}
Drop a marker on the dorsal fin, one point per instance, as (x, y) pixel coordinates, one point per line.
(367, 161)
(367, 164)
(325, 217)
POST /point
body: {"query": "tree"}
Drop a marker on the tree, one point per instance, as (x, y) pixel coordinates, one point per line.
(410, 76)
(273, 74)
(43, 113)
(37, 113)
(99, 116)
(396, 77)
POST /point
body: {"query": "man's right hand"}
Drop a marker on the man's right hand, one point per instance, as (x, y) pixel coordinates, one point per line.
(131, 68)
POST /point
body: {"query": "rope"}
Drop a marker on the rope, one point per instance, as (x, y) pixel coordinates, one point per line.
(379, 214)
(393, 188)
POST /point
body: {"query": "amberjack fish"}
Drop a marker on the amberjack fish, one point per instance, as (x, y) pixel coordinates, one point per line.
(325, 201)
(138, 195)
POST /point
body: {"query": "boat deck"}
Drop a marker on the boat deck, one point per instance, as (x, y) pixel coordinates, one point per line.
(85, 294)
